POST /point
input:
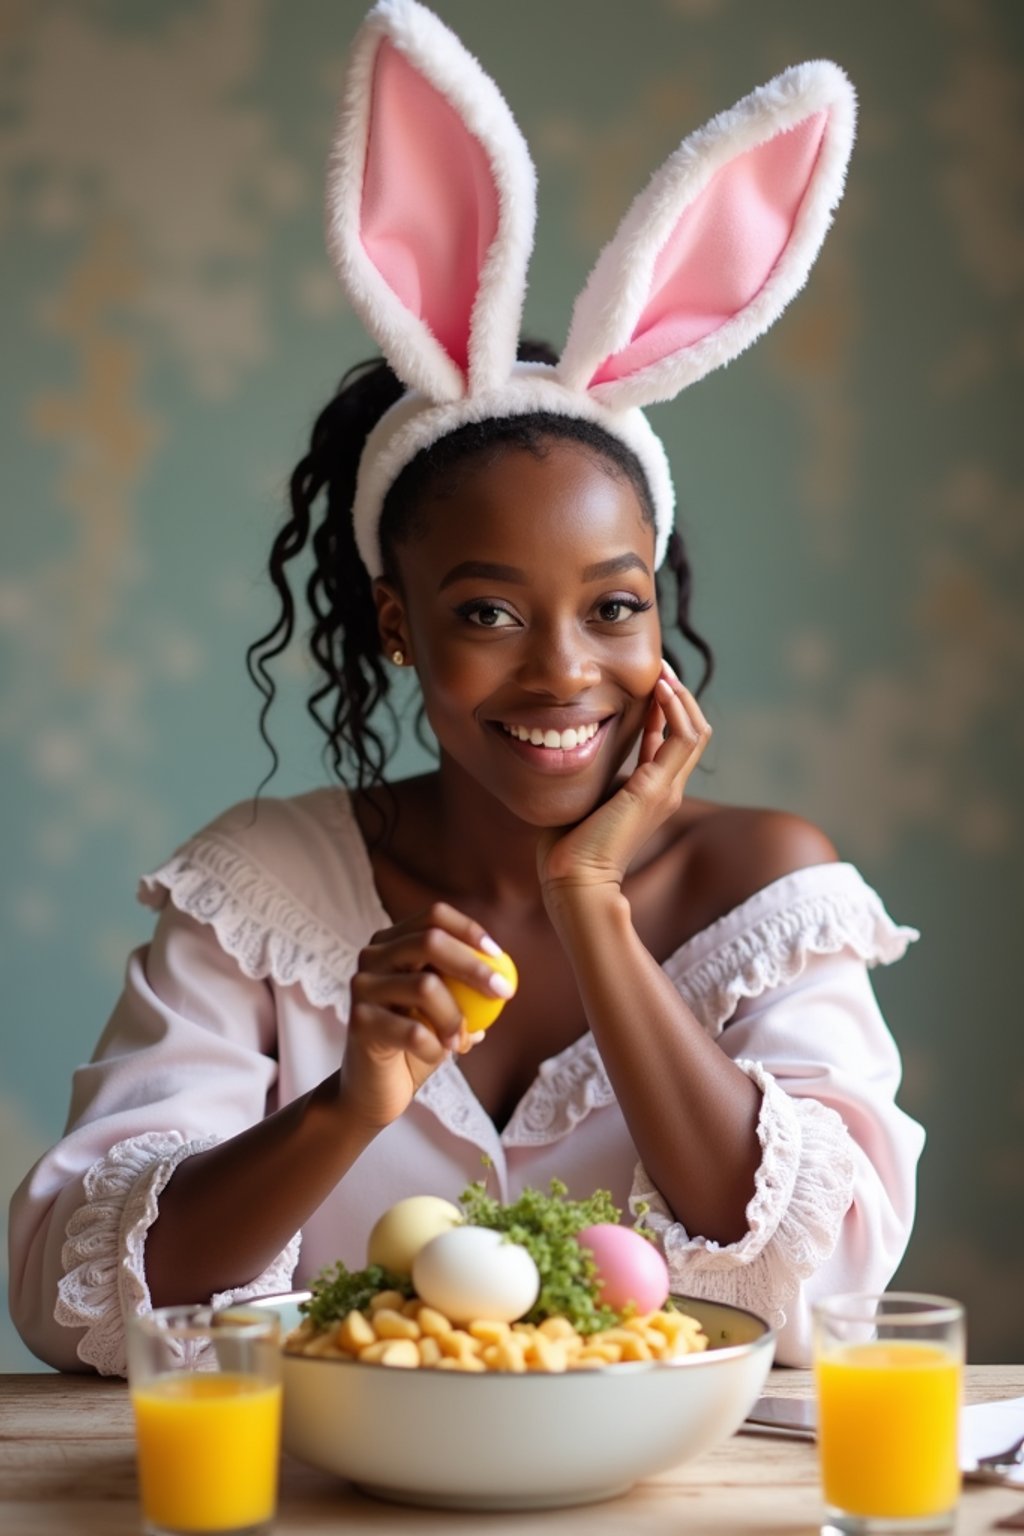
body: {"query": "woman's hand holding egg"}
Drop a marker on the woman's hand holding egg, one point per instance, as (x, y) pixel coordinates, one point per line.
(404, 1019)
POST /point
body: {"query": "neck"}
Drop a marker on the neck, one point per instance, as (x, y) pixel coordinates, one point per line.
(487, 850)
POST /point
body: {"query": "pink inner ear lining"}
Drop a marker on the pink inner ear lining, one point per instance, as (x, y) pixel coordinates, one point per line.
(429, 206)
(723, 248)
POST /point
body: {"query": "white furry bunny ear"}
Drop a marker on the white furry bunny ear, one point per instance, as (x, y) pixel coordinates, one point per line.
(714, 248)
(431, 204)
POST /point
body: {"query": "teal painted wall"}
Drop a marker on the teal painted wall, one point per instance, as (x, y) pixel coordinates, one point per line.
(851, 489)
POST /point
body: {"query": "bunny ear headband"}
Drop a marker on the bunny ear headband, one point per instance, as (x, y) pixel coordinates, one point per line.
(431, 213)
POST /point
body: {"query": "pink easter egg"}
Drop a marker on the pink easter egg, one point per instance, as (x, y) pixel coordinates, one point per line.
(631, 1270)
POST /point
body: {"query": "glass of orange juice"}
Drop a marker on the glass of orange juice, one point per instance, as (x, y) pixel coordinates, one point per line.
(206, 1393)
(889, 1373)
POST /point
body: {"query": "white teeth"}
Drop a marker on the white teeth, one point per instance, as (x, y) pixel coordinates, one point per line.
(566, 741)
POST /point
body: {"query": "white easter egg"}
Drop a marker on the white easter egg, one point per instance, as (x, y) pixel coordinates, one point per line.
(472, 1273)
(404, 1228)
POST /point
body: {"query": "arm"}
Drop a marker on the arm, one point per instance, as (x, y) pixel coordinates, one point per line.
(692, 1112)
(171, 1183)
(835, 1193)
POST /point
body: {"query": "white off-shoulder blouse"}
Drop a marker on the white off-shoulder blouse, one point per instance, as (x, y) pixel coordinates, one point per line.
(239, 1004)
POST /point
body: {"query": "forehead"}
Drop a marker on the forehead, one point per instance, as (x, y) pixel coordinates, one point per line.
(568, 505)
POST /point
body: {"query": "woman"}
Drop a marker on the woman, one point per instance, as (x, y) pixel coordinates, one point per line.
(694, 1027)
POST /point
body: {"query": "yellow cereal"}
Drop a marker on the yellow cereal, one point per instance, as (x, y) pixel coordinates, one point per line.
(392, 1325)
(610, 1354)
(636, 1349)
(325, 1347)
(373, 1353)
(557, 1328)
(355, 1333)
(489, 1332)
(393, 1300)
(402, 1353)
(545, 1354)
(406, 1332)
(430, 1351)
(459, 1345)
(433, 1323)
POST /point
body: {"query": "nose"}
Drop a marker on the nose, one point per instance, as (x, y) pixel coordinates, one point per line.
(558, 662)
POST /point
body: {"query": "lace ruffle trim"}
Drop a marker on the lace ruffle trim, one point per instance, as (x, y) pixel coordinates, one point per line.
(104, 1279)
(256, 919)
(774, 949)
(803, 1189)
(566, 1089)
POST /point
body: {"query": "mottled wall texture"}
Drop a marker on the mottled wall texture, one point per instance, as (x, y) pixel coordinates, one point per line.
(851, 489)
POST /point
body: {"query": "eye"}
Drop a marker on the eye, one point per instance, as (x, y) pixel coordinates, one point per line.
(485, 615)
(614, 610)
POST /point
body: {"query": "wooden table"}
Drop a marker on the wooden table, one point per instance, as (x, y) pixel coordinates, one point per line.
(67, 1469)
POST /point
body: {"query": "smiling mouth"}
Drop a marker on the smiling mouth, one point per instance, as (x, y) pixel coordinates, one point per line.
(551, 740)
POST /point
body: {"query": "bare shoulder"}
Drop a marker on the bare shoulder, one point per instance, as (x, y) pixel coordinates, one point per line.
(737, 850)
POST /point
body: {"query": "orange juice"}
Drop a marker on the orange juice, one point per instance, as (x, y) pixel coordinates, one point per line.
(208, 1450)
(887, 1428)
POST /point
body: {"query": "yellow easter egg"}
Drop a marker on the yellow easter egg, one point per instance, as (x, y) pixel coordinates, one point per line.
(480, 1009)
(403, 1230)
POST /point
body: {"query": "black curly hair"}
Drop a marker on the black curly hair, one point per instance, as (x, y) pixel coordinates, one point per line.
(343, 638)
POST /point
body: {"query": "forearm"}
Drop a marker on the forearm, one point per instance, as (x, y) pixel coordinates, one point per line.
(227, 1212)
(691, 1111)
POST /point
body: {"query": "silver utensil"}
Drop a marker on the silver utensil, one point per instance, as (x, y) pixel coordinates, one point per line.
(1003, 1461)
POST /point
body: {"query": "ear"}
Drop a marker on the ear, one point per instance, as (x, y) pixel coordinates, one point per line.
(431, 204)
(712, 251)
(391, 623)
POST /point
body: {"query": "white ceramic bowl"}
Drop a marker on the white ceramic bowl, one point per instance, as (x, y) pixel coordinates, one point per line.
(503, 1441)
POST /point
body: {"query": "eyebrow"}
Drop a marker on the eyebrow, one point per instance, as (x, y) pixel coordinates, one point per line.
(486, 570)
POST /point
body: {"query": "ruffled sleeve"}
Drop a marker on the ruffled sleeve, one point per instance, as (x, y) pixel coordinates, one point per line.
(189, 1058)
(104, 1279)
(784, 985)
(185, 1061)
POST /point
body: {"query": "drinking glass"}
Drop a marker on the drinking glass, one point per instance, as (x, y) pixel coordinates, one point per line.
(206, 1393)
(889, 1376)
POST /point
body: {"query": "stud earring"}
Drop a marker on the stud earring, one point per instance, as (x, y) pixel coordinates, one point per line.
(398, 657)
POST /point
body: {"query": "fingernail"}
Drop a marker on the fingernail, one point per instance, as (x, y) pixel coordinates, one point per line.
(475, 1037)
(664, 685)
(670, 669)
(488, 946)
(500, 986)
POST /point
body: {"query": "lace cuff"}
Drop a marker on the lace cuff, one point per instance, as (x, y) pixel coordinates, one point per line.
(802, 1191)
(104, 1280)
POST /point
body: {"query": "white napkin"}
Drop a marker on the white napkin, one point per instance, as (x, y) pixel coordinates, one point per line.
(987, 1428)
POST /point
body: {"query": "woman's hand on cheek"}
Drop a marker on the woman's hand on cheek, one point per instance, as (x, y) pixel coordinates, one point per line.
(404, 1022)
(600, 849)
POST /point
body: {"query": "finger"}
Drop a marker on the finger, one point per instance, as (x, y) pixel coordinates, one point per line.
(687, 699)
(447, 918)
(417, 994)
(436, 949)
(653, 732)
(686, 737)
(382, 1033)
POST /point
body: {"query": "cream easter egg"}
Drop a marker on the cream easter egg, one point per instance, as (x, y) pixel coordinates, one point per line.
(630, 1269)
(473, 1273)
(403, 1230)
(480, 1009)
